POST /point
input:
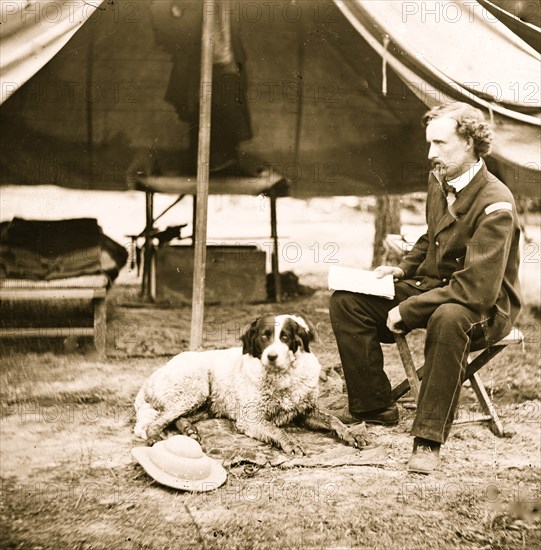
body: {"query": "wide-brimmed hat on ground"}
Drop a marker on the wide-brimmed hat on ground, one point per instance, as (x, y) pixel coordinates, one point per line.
(179, 462)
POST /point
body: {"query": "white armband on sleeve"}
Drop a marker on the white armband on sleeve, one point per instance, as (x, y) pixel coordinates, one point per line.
(494, 207)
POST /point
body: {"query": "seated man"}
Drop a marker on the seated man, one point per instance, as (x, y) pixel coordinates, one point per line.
(460, 282)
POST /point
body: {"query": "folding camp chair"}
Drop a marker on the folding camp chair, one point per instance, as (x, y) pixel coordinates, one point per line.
(412, 382)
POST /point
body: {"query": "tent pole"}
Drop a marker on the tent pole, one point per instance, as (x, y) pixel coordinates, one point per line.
(274, 255)
(147, 263)
(203, 158)
(194, 217)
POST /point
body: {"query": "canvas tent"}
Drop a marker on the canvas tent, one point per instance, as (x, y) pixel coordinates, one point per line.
(335, 90)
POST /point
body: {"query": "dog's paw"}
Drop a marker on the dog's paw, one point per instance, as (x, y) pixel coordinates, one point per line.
(358, 436)
(351, 439)
(154, 434)
(140, 433)
(293, 449)
(185, 427)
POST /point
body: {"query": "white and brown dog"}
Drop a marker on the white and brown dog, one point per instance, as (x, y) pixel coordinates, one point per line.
(265, 384)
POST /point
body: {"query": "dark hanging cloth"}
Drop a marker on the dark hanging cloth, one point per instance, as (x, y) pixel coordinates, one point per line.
(177, 28)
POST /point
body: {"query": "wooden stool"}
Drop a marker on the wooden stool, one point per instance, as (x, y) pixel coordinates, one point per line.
(414, 375)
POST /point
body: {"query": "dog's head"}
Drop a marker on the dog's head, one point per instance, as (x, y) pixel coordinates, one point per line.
(276, 340)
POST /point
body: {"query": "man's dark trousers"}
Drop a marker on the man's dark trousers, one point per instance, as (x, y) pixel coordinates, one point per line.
(359, 324)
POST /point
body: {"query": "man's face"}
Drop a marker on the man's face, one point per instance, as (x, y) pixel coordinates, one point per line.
(450, 154)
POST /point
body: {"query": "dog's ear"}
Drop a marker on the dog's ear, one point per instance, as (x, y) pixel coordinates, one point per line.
(249, 340)
(305, 332)
(304, 337)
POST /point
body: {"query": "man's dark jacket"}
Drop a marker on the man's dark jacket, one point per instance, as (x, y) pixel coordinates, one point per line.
(471, 258)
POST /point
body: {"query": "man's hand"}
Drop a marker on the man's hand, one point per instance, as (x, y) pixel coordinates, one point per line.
(394, 321)
(383, 270)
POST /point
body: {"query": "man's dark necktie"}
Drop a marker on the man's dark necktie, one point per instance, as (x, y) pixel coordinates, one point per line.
(450, 193)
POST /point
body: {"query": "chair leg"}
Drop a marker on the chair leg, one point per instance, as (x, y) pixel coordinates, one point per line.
(409, 367)
(486, 404)
(414, 376)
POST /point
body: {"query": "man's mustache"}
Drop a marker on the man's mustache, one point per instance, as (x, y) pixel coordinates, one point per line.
(439, 170)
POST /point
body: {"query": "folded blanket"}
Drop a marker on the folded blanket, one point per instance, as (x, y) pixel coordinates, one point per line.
(56, 249)
(52, 238)
(21, 263)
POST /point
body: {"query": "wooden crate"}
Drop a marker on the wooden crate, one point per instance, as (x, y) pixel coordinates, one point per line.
(234, 274)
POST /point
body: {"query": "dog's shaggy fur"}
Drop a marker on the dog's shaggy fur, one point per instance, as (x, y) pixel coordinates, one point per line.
(267, 383)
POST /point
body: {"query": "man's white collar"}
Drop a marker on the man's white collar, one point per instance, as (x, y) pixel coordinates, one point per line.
(461, 181)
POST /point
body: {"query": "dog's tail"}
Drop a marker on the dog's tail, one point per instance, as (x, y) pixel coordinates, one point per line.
(145, 414)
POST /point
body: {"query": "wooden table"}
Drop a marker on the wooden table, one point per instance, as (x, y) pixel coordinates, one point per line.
(259, 180)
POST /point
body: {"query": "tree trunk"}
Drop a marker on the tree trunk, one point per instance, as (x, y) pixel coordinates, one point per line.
(387, 221)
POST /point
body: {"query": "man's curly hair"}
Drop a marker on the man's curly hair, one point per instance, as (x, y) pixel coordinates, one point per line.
(470, 123)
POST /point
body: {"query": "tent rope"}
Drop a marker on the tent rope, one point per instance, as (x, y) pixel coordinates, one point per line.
(491, 113)
(384, 56)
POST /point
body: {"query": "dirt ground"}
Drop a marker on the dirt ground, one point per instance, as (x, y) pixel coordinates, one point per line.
(69, 481)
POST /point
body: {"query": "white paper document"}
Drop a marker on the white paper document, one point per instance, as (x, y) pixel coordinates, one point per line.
(361, 281)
